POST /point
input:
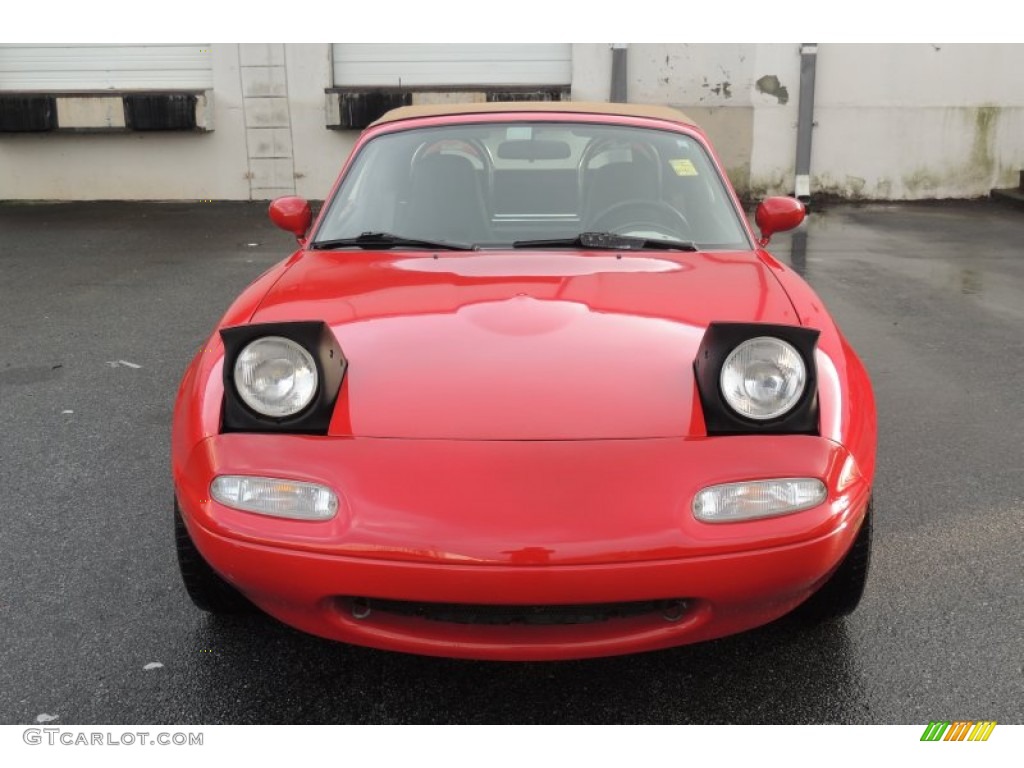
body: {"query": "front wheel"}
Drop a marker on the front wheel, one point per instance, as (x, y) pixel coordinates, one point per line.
(207, 589)
(841, 594)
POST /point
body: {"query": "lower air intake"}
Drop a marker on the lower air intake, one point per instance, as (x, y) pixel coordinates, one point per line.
(544, 615)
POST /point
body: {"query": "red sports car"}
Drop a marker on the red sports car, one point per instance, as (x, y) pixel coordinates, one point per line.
(530, 388)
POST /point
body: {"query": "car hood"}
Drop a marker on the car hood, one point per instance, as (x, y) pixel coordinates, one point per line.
(521, 345)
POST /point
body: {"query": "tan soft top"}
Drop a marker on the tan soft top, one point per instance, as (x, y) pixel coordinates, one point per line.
(656, 112)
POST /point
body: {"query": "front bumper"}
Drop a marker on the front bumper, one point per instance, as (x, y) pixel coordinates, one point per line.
(521, 524)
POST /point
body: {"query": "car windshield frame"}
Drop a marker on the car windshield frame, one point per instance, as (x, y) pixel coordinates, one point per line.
(490, 183)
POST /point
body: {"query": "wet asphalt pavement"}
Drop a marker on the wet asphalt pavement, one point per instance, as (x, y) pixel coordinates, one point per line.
(103, 304)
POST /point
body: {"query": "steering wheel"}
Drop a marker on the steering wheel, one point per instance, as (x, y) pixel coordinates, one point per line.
(627, 217)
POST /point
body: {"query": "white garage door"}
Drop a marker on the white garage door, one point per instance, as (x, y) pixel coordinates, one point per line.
(105, 67)
(412, 65)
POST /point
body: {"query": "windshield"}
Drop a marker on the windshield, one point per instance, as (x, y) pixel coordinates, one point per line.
(494, 184)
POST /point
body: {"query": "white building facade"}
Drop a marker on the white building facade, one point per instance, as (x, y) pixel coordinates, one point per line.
(240, 122)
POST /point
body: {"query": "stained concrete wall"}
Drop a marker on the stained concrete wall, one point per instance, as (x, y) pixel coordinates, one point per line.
(892, 122)
(918, 121)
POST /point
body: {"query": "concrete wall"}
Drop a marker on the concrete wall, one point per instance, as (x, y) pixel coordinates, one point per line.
(893, 122)
(918, 121)
(319, 153)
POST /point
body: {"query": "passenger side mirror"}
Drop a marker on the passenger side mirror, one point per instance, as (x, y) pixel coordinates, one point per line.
(778, 214)
(292, 214)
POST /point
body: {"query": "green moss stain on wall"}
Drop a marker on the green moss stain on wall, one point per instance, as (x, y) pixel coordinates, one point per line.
(974, 174)
(739, 175)
(921, 182)
(985, 119)
(772, 183)
(848, 187)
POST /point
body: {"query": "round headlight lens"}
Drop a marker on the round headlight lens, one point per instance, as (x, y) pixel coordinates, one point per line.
(763, 378)
(275, 376)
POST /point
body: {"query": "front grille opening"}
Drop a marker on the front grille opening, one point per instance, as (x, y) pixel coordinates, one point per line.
(670, 610)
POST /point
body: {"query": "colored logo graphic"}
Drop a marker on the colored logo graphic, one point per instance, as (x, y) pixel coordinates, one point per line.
(958, 730)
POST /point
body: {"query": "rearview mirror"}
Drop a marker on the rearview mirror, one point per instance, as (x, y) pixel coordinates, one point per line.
(534, 149)
(292, 214)
(778, 214)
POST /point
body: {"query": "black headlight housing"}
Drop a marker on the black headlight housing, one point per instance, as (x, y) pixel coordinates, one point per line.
(317, 339)
(719, 341)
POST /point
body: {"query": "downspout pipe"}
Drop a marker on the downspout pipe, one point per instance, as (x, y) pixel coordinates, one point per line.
(805, 122)
(619, 91)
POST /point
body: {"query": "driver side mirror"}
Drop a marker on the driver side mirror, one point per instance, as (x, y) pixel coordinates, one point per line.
(778, 214)
(292, 214)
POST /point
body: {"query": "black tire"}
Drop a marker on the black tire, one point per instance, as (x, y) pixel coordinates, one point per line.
(208, 590)
(840, 595)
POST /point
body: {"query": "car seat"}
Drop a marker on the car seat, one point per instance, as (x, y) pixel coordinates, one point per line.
(446, 201)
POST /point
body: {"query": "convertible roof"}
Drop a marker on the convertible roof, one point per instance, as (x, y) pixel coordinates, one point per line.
(656, 112)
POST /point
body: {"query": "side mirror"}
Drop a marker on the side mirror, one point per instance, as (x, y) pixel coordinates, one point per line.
(778, 214)
(292, 214)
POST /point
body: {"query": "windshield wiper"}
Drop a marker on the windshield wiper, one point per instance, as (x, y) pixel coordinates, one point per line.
(384, 240)
(609, 241)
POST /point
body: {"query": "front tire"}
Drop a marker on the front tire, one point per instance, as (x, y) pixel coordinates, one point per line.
(208, 590)
(841, 594)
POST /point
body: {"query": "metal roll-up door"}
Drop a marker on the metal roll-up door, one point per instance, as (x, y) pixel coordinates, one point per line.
(64, 68)
(418, 65)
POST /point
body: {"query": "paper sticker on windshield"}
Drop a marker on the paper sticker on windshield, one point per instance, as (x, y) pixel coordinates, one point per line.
(683, 167)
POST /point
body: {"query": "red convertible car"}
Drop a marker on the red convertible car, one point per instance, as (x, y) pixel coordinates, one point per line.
(530, 388)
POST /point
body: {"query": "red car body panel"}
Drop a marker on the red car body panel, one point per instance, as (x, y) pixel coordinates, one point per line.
(523, 428)
(576, 522)
(725, 594)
